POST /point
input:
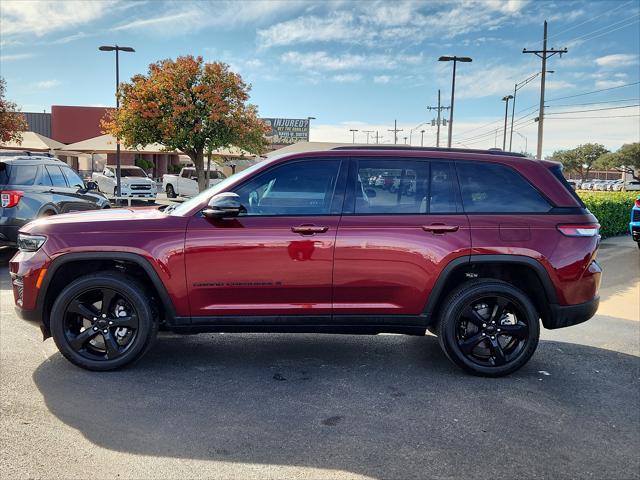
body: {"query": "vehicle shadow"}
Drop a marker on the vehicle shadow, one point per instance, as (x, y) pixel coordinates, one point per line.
(385, 406)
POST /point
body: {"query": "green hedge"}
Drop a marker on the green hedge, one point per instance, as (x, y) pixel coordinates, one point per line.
(612, 209)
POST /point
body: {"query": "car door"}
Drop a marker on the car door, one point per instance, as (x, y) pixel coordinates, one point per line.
(66, 198)
(82, 198)
(395, 237)
(187, 183)
(275, 260)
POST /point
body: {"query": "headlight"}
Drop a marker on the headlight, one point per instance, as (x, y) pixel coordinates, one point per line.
(30, 243)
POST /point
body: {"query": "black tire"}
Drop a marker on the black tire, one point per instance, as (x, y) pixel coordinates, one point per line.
(78, 325)
(171, 193)
(475, 325)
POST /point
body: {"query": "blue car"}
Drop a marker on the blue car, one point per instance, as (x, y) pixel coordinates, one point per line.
(634, 224)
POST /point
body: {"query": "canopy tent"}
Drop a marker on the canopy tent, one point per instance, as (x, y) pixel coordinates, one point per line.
(32, 141)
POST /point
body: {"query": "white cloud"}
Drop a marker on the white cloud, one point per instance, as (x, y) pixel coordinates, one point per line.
(46, 84)
(323, 61)
(347, 78)
(610, 83)
(391, 23)
(184, 18)
(27, 17)
(16, 56)
(382, 79)
(617, 60)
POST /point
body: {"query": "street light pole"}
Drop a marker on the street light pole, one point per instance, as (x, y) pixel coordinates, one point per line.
(117, 49)
(455, 60)
(353, 132)
(506, 113)
(309, 128)
(422, 138)
(517, 87)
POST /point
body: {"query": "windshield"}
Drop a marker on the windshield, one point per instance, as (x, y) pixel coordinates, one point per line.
(132, 172)
(181, 209)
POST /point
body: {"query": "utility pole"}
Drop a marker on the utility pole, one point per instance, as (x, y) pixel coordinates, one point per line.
(367, 132)
(422, 138)
(439, 109)
(543, 54)
(377, 138)
(395, 132)
(353, 132)
(505, 99)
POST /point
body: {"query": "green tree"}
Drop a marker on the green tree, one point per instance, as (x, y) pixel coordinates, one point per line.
(625, 160)
(580, 160)
(188, 105)
(12, 122)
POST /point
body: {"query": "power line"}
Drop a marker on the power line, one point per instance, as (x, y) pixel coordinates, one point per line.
(604, 116)
(604, 28)
(598, 103)
(593, 91)
(595, 109)
(590, 19)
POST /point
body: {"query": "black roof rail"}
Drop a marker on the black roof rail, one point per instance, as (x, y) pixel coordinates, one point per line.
(429, 149)
(28, 153)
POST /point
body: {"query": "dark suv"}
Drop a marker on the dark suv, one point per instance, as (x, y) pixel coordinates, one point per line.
(477, 247)
(34, 186)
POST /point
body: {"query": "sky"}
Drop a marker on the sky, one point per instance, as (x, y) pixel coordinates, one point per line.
(352, 65)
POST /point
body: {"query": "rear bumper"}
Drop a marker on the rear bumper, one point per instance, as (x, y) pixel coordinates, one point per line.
(635, 231)
(567, 315)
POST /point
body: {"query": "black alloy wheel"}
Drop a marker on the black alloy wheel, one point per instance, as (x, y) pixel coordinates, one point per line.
(103, 321)
(100, 324)
(489, 327)
(491, 331)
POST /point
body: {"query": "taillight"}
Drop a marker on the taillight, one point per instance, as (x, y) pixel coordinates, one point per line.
(638, 202)
(579, 230)
(10, 198)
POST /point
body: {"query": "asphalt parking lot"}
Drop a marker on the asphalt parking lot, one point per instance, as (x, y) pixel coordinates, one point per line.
(322, 406)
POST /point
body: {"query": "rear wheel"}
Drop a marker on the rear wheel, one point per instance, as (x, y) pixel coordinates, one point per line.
(103, 321)
(489, 328)
(170, 191)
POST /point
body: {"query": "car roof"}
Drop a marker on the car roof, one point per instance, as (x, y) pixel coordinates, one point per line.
(31, 160)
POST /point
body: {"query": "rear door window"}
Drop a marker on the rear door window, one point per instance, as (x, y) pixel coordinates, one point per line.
(403, 186)
(57, 178)
(493, 188)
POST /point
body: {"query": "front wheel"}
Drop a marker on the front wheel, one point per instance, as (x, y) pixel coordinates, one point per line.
(103, 321)
(171, 193)
(489, 328)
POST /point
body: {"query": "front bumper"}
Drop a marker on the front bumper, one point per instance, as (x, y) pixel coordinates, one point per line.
(567, 315)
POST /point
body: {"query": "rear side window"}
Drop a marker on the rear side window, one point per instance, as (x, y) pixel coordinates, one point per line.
(57, 178)
(493, 188)
(18, 174)
(557, 172)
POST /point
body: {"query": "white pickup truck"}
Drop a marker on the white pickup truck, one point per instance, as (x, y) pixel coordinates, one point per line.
(185, 184)
(134, 182)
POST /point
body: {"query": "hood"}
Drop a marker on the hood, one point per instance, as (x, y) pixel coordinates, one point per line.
(92, 221)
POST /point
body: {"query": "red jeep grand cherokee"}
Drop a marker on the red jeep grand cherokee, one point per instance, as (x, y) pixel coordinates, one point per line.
(477, 247)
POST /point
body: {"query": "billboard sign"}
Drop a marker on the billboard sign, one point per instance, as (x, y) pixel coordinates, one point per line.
(287, 130)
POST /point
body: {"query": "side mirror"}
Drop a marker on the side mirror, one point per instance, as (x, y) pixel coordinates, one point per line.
(371, 193)
(91, 186)
(224, 205)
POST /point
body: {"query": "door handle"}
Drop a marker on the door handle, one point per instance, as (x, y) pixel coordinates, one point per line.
(309, 229)
(440, 228)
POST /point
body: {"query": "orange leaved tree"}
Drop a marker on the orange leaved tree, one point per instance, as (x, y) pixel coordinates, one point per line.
(188, 105)
(12, 122)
